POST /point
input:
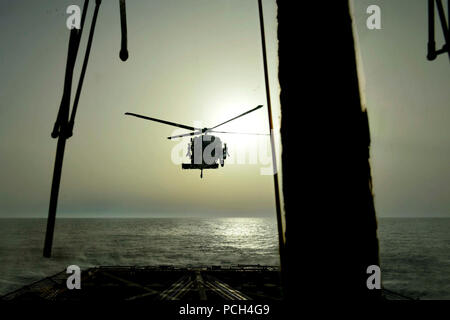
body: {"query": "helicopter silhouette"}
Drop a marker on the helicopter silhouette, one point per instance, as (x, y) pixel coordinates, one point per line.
(204, 151)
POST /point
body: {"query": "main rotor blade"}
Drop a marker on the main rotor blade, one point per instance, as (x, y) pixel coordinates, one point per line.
(247, 112)
(163, 121)
(254, 134)
(186, 134)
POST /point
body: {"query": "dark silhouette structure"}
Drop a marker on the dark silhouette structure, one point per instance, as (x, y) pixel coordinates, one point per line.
(123, 24)
(330, 237)
(204, 150)
(63, 128)
(331, 227)
(278, 211)
(154, 286)
(432, 52)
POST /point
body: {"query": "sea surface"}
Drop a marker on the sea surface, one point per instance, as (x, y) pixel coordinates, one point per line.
(414, 253)
(415, 256)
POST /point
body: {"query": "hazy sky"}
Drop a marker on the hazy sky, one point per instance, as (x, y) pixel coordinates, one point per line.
(196, 62)
(408, 101)
(199, 62)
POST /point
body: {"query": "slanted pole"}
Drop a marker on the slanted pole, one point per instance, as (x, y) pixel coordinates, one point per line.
(63, 126)
(60, 131)
(272, 139)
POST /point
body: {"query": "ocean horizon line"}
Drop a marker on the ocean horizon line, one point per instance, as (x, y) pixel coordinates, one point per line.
(142, 217)
(197, 217)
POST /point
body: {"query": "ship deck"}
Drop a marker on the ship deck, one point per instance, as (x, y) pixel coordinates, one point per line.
(158, 283)
(163, 283)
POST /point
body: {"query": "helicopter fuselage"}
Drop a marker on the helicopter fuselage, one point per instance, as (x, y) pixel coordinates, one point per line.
(206, 152)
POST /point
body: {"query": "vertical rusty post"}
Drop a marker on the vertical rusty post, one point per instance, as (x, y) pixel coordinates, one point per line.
(272, 139)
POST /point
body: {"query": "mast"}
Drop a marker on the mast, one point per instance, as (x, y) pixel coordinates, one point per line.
(272, 138)
(63, 128)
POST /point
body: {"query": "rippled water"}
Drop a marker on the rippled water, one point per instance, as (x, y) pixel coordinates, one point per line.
(415, 256)
(414, 253)
(91, 242)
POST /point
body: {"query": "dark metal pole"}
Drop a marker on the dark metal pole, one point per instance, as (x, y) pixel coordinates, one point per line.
(445, 29)
(84, 67)
(431, 42)
(54, 195)
(272, 139)
(123, 22)
(62, 130)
